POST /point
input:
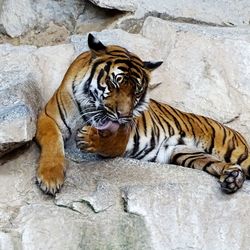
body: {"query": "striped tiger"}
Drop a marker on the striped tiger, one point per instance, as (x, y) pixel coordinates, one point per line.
(107, 88)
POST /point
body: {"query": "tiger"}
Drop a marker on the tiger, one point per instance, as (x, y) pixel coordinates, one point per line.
(107, 87)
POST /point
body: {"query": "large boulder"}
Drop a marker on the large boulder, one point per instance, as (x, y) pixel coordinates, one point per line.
(207, 12)
(18, 17)
(28, 78)
(120, 204)
(19, 96)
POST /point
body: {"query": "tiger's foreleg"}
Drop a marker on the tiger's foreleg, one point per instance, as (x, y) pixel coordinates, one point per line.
(50, 172)
(231, 176)
(105, 143)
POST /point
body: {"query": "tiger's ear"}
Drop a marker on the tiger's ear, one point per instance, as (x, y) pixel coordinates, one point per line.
(95, 45)
(151, 65)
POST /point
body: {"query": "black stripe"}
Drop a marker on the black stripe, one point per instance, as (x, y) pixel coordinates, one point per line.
(201, 122)
(191, 156)
(207, 165)
(164, 109)
(212, 136)
(230, 149)
(151, 147)
(62, 114)
(137, 155)
(175, 158)
(243, 156)
(144, 123)
(124, 69)
(101, 73)
(224, 136)
(190, 164)
(45, 111)
(136, 142)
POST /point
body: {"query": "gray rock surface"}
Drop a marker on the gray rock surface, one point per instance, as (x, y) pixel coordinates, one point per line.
(19, 97)
(207, 12)
(120, 204)
(129, 5)
(28, 14)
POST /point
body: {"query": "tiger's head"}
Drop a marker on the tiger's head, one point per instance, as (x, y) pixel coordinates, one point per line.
(116, 86)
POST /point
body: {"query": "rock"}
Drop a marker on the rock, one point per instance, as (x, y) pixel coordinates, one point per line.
(104, 204)
(143, 47)
(129, 5)
(208, 12)
(16, 21)
(28, 78)
(19, 96)
(53, 62)
(29, 14)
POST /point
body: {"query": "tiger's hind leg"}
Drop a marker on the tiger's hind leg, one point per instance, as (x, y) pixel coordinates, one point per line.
(231, 176)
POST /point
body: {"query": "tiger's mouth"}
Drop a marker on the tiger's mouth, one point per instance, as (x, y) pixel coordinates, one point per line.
(108, 125)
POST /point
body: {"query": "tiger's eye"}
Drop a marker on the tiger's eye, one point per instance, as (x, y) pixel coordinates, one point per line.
(119, 79)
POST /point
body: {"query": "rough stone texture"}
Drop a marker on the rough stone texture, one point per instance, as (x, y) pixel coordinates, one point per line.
(129, 5)
(30, 13)
(211, 12)
(51, 22)
(53, 62)
(19, 96)
(28, 78)
(104, 205)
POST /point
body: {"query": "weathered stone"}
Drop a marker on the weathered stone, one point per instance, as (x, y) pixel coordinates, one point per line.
(129, 5)
(134, 205)
(28, 14)
(208, 12)
(28, 78)
(53, 62)
(19, 96)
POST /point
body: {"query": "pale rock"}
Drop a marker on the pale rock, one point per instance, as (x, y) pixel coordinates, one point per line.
(18, 17)
(143, 47)
(53, 62)
(28, 79)
(208, 12)
(19, 96)
(147, 206)
(129, 5)
(6, 242)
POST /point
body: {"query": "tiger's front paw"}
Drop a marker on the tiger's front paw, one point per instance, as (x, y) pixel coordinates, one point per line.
(87, 139)
(50, 177)
(232, 179)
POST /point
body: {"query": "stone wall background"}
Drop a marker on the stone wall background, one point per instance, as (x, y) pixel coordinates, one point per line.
(205, 46)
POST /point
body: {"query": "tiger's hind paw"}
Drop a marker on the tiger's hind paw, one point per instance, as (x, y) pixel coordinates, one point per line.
(232, 179)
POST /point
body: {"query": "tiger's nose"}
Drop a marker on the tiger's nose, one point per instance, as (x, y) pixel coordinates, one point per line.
(123, 114)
